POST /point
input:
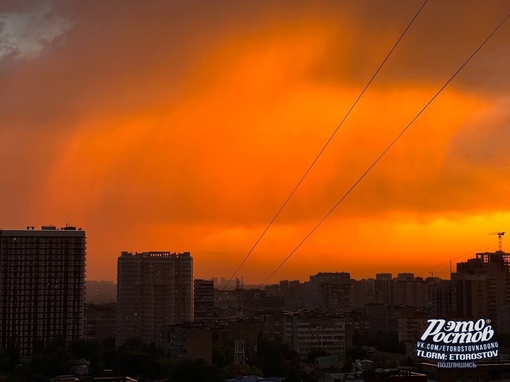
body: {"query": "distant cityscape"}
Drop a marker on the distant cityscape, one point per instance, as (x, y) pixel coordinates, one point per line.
(157, 301)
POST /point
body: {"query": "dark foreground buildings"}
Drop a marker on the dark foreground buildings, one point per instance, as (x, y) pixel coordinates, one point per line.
(42, 286)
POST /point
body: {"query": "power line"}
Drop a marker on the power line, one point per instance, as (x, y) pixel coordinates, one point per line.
(488, 245)
(385, 151)
(323, 148)
(455, 258)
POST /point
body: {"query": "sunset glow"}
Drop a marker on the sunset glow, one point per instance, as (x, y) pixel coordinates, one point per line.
(184, 126)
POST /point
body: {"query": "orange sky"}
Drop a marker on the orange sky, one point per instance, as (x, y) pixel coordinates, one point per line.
(184, 125)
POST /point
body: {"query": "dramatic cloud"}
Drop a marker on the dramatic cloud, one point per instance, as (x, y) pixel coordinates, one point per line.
(184, 126)
(24, 34)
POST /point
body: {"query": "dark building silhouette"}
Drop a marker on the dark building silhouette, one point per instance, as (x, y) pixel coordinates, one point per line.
(154, 291)
(482, 288)
(100, 322)
(186, 341)
(203, 298)
(305, 331)
(384, 288)
(363, 292)
(42, 286)
(292, 292)
(330, 292)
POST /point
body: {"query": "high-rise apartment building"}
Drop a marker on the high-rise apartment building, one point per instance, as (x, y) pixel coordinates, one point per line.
(442, 298)
(42, 286)
(330, 292)
(154, 290)
(482, 287)
(203, 298)
(384, 288)
(305, 331)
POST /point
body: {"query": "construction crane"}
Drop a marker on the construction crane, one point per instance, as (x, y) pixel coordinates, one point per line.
(500, 239)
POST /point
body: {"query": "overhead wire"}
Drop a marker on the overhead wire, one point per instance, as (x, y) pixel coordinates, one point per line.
(447, 263)
(321, 151)
(374, 163)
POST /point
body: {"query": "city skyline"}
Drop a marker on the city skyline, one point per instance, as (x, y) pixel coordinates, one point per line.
(184, 126)
(230, 283)
(436, 271)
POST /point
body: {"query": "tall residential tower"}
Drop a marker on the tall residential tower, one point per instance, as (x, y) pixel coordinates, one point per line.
(42, 286)
(154, 290)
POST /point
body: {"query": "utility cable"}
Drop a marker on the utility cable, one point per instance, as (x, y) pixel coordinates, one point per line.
(323, 148)
(384, 152)
(455, 258)
(491, 244)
